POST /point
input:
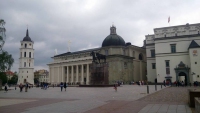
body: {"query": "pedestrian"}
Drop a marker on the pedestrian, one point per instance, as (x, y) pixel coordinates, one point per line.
(164, 83)
(26, 87)
(6, 88)
(20, 87)
(61, 86)
(65, 85)
(115, 87)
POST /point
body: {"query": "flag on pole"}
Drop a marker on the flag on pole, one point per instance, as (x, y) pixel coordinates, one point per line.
(168, 19)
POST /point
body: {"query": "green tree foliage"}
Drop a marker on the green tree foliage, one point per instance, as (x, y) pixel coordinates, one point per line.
(6, 60)
(3, 77)
(13, 80)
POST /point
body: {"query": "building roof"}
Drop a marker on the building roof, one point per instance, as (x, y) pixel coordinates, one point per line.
(9, 73)
(71, 53)
(193, 44)
(113, 39)
(27, 38)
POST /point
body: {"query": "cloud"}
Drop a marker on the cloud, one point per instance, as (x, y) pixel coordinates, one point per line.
(86, 23)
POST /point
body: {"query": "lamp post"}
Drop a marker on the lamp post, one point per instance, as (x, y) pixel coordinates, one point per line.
(147, 85)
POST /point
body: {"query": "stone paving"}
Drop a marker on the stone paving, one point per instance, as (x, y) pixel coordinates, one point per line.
(128, 99)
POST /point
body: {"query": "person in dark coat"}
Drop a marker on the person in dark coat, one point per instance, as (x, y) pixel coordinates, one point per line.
(65, 85)
(61, 86)
(6, 88)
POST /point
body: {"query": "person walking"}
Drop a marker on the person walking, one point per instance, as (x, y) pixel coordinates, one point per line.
(164, 83)
(65, 85)
(61, 86)
(26, 87)
(115, 87)
(6, 88)
(20, 87)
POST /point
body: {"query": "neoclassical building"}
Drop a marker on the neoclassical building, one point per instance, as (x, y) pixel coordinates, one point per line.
(126, 62)
(26, 61)
(172, 53)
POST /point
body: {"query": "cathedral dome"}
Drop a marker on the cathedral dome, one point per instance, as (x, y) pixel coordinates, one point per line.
(113, 39)
(27, 38)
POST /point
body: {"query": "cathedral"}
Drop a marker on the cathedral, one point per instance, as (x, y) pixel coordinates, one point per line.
(26, 61)
(126, 62)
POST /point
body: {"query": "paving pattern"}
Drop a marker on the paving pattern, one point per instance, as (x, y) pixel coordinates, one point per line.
(128, 99)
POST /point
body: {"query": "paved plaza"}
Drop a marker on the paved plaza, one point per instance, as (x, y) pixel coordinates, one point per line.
(128, 99)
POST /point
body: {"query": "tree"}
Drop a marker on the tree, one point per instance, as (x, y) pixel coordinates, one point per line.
(13, 80)
(3, 77)
(6, 60)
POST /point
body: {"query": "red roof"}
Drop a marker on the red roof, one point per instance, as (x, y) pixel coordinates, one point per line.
(9, 73)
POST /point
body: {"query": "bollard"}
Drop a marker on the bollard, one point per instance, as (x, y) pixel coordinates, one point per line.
(161, 86)
(147, 89)
(155, 87)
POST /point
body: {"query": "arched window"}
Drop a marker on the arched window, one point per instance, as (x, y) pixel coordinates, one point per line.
(24, 54)
(29, 54)
(140, 56)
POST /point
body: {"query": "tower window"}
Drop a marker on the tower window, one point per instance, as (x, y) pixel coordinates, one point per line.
(29, 54)
(24, 64)
(24, 54)
(25, 45)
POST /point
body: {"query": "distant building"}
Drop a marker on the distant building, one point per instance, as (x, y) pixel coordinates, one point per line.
(9, 74)
(173, 54)
(42, 75)
(126, 62)
(26, 61)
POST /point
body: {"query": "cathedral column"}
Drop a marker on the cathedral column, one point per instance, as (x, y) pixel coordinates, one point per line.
(67, 74)
(76, 73)
(58, 69)
(72, 74)
(88, 79)
(82, 82)
(62, 74)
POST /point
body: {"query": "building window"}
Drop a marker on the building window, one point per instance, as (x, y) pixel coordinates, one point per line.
(153, 65)
(195, 62)
(27, 76)
(24, 64)
(29, 64)
(173, 48)
(27, 71)
(25, 45)
(140, 56)
(22, 76)
(153, 53)
(21, 54)
(124, 53)
(167, 63)
(106, 52)
(24, 54)
(29, 54)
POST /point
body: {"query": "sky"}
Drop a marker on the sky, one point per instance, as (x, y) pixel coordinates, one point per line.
(86, 23)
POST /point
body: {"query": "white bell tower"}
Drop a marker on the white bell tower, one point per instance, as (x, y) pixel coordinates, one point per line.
(26, 61)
